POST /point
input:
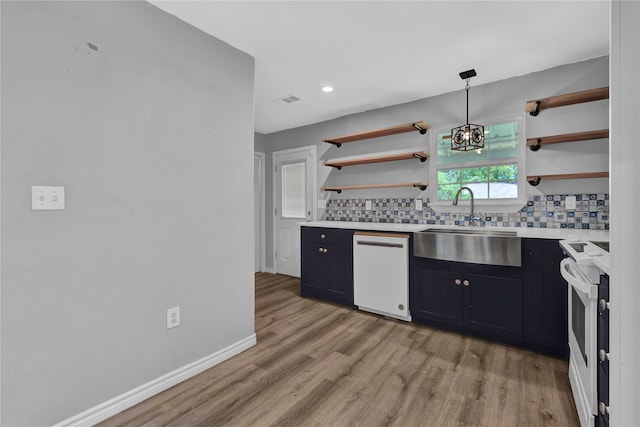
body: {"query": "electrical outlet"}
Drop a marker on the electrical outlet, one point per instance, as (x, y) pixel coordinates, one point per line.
(570, 203)
(418, 204)
(173, 317)
(367, 205)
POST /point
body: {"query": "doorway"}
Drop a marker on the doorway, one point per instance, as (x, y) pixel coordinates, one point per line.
(294, 195)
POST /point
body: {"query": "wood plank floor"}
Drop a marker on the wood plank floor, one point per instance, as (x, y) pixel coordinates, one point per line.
(319, 364)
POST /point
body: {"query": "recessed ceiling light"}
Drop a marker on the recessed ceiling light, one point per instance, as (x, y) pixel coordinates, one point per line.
(327, 89)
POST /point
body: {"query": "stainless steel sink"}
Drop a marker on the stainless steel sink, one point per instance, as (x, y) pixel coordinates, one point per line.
(478, 246)
(475, 231)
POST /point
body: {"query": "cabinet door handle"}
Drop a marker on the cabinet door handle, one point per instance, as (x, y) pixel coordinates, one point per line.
(457, 282)
(465, 282)
(603, 304)
(603, 409)
(603, 355)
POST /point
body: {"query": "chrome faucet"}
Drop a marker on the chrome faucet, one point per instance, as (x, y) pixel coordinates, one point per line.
(472, 218)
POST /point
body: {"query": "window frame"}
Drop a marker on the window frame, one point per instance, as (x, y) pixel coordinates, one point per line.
(487, 205)
(304, 207)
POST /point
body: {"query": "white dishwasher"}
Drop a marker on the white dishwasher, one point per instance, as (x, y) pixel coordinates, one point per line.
(381, 273)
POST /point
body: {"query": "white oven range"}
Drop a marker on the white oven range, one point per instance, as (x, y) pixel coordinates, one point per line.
(581, 273)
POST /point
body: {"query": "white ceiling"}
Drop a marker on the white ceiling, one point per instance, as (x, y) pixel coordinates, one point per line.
(380, 53)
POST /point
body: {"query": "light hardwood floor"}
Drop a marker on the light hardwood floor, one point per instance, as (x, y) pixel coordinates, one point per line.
(319, 364)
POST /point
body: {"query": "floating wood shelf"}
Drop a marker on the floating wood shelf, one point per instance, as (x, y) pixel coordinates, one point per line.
(535, 179)
(338, 163)
(420, 185)
(535, 106)
(407, 127)
(535, 143)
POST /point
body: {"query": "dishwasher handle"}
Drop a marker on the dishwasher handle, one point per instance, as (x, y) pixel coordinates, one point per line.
(383, 244)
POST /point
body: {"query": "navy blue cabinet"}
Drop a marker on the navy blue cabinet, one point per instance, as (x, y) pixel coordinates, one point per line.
(327, 264)
(602, 419)
(494, 305)
(482, 299)
(434, 295)
(545, 297)
(524, 306)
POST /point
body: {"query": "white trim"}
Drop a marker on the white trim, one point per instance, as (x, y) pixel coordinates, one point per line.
(262, 157)
(312, 149)
(118, 404)
(269, 270)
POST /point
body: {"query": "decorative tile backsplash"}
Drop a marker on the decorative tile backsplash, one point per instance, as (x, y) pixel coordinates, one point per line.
(591, 212)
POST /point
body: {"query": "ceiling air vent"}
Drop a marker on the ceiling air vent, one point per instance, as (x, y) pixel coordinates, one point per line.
(285, 100)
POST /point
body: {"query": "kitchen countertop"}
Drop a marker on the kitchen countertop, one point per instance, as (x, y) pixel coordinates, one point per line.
(376, 226)
(602, 262)
(525, 232)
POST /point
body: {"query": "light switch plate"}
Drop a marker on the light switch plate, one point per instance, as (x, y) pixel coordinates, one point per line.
(45, 198)
(570, 202)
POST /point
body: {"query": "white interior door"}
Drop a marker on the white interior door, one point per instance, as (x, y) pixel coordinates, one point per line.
(294, 194)
(258, 208)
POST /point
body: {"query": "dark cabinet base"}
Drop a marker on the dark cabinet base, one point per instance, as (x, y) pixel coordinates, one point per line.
(523, 306)
(434, 295)
(494, 305)
(327, 264)
(545, 297)
(478, 299)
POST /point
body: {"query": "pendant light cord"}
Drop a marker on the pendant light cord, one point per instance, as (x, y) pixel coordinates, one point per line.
(467, 89)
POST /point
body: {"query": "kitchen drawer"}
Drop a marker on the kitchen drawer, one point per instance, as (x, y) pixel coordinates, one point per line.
(328, 235)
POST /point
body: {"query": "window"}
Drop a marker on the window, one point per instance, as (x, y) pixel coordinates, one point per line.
(294, 186)
(493, 173)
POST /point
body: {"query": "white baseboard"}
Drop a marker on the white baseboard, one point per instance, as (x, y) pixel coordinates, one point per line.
(118, 404)
(268, 270)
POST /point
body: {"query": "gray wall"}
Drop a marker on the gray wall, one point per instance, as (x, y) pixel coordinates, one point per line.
(489, 101)
(146, 135)
(259, 142)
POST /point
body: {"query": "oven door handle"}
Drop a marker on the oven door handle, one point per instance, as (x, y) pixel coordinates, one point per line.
(571, 273)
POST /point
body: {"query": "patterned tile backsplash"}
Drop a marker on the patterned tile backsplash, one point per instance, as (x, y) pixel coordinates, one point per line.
(591, 212)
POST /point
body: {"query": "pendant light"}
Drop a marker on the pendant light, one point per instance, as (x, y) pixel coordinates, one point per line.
(468, 136)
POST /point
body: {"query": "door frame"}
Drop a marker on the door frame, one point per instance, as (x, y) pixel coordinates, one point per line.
(261, 239)
(314, 194)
